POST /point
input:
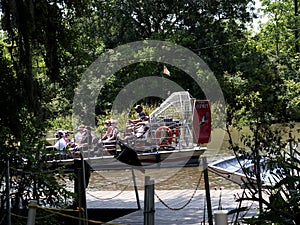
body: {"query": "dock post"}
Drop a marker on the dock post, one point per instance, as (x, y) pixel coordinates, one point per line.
(79, 187)
(32, 212)
(8, 206)
(208, 200)
(149, 208)
(136, 190)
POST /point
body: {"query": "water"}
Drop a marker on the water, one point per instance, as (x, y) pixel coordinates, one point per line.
(164, 178)
(186, 178)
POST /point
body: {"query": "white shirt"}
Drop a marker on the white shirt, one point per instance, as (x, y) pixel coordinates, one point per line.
(141, 130)
(60, 144)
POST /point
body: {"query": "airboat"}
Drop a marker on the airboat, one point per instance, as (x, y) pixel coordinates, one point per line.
(178, 132)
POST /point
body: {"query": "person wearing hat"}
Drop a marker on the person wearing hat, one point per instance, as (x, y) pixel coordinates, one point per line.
(111, 135)
(137, 128)
(86, 136)
(109, 130)
(114, 132)
(141, 115)
(79, 134)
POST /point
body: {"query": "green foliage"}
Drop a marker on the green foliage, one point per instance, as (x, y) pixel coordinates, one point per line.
(35, 43)
(282, 205)
(29, 178)
(279, 30)
(10, 102)
(64, 122)
(199, 27)
(46, 46)
(262, 93)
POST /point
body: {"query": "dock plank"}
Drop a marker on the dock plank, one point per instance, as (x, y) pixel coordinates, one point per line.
(192, 213)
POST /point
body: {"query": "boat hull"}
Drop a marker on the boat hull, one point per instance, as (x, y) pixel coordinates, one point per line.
(148, 160)
(231, 169)
(161, 159)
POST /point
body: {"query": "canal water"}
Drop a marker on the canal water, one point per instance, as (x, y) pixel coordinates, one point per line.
(171, 178)
(164, 178)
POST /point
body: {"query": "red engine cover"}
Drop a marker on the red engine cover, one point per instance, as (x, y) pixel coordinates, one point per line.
(201, 121)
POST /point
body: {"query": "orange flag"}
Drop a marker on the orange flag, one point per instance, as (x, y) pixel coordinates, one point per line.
(166, 71)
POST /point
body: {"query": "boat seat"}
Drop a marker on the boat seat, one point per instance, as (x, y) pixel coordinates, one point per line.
(110, 147)
(232, 168)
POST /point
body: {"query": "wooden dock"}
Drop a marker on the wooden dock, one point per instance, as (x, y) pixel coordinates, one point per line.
(172, 207)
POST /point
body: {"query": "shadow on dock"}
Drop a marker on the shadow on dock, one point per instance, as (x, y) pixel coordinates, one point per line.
(103, 215)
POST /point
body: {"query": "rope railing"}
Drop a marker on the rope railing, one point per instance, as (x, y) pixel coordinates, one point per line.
(58, 212)
(37, 218)
(47, 216)
(61, 212)
(1, 221)
(186, 204)
(111, 182)
(118, 194)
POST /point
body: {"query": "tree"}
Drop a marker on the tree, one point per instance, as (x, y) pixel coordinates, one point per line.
(263, 97)
(204, 27)
(35, 42)
(281, 28)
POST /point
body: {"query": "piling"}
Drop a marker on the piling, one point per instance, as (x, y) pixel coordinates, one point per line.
(207, 192)
(8, 207)
(31, 212)
(149, 208)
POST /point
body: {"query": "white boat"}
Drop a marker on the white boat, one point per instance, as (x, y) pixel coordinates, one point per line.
(241, 170)
(178, 129)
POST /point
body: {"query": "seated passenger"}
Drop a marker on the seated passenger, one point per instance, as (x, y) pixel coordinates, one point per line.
(79, 134)
(109, 130)
(83, 141)
(139, 129)
(109, 139)
(141, 115)
(66, 137)
(61, 144)
(113, 134)
(86, 139)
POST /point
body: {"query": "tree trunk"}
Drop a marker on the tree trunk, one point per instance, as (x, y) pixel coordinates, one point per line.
(296, 27)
